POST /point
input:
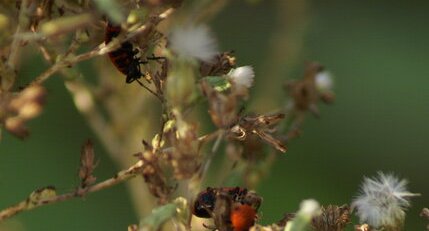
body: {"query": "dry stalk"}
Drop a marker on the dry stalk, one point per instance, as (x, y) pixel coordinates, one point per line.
(120, 177)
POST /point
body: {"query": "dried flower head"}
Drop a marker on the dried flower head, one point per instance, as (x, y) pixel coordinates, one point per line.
(314, 86)
(193, 42)
(183, 156)
(332, 218)
(153, 174)
(16, 110)
(262, 126)
(242, 76)
(221, 65)
(223, 107)
(382, 201)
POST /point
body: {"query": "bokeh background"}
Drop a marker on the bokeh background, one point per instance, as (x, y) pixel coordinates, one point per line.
(378, 52)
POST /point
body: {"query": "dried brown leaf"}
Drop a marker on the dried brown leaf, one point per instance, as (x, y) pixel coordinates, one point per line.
(87, 165)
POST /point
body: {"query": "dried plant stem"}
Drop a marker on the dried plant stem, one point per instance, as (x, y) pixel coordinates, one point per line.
(102, 49)
(25, 205)
(15, 48)
(292, 19)
(85, 103)
(120, 177)
(204, 170)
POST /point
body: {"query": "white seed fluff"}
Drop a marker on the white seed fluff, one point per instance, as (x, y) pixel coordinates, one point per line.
(193, 42)
(242, 76)
(309, 207)
(324, 81)
(382, 201)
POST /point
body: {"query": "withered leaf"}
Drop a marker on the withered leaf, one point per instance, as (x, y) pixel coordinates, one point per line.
(87, 164)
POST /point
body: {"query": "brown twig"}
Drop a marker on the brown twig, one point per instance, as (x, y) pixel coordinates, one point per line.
(121, 176)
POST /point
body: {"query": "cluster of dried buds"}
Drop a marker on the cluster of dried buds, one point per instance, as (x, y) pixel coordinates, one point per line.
(183, 155)
(18, 108)
(153, 173)
(332, 218)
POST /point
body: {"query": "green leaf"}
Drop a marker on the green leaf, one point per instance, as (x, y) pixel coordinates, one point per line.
(219, 83)
(158, 217)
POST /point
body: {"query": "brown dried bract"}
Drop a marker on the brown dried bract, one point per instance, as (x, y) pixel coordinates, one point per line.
(222, 107)
(153, 174)
(332, 218)
(184, 154)
(87, 165)
(262, 125)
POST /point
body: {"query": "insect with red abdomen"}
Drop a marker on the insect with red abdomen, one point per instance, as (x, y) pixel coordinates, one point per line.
(205, 201)
(124, 58)
(232, 208)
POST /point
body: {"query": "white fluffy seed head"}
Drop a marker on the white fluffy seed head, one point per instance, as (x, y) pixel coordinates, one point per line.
(242, 76)
(193, 42)
(382, 201)
(309, 207)
(324, 81)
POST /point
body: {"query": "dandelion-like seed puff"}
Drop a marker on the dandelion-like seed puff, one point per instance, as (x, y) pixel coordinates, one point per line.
(242, 76)
(193, 42)
(382, 201)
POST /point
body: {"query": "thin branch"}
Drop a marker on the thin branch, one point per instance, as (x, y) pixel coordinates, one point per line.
(102, 49)
(120, 177)
(204, 170)
(15, 48)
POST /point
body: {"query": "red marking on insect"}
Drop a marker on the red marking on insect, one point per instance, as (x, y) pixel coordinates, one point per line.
(243, 217)
(205, 200)
(124, 58)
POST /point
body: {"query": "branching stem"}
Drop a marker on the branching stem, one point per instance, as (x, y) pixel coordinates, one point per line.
(120, 177)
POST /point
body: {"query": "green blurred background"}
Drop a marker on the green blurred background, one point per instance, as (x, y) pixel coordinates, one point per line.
(378, 52)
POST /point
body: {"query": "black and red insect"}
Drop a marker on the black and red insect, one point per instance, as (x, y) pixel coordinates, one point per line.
(205, 201)
(124, 58)
(232, 208)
